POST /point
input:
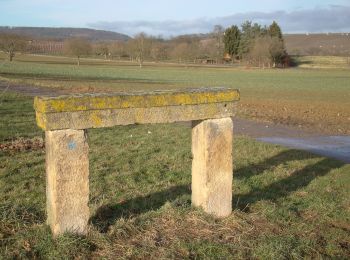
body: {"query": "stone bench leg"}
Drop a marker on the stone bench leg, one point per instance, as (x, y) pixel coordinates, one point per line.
(67, 190)
(212, 165)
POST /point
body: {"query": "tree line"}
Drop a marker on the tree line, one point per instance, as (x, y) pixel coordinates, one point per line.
(256, 45)
(252, 44)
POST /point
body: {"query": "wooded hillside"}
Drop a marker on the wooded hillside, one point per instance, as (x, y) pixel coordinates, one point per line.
(61, 34)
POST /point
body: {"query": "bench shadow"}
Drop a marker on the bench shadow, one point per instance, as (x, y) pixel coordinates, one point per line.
(282, 188)
(274, 161)
(106, 215)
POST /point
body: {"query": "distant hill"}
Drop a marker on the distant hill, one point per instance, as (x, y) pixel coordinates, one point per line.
(60, 34)
(318, 44)
(193, 36)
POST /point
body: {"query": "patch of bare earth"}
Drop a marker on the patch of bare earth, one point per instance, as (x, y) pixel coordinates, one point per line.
(22, 144)
(323, 117)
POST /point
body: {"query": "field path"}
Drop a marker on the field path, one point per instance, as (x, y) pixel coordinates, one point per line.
(337, 147)
(28, 90)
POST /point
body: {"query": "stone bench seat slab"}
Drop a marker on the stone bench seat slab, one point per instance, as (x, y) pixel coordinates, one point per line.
(84, 102)
(106, 110)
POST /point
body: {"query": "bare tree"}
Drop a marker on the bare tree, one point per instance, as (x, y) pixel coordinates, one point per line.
(77, 47)
(143, 47)
(159, 51)
(180, 51)
(140, 40)
(185, 51)
(267, 51)
(103, 49)
(119, 49)
(277, 51)
(218, 34)
(260, 52)
(208, 49)
(12, 43)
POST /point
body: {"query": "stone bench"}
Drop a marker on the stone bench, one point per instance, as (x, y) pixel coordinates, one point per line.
(66, 118)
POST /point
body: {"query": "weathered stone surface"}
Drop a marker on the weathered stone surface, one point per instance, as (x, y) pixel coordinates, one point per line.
(112, 117)
(212, 165)
(86, 102)
(94, 111)
(67, 190)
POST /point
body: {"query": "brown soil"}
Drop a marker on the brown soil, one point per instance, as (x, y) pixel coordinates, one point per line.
(257, 129)
(322, 117)
(22, 144)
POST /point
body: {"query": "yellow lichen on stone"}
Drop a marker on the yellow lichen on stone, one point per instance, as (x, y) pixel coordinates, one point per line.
(40, 120)
(39, 105)
(104, 110)
(126, 116)
(95, 119)
(138, 100)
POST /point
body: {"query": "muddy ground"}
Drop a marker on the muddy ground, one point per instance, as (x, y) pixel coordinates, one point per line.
(330, 119)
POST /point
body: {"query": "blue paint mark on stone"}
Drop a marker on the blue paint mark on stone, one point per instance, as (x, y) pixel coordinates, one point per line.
(72, 145)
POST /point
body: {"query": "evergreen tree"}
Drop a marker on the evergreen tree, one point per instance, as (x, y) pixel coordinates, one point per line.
(246, 38)
(232, 39)
(277, 47)
(277, 51)
(275, 31)
(256, 44)
(249, 33)
(256, 31)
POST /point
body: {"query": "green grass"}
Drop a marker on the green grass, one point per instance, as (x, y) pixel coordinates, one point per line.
(287, 203)
(291, 84)
(17, 117)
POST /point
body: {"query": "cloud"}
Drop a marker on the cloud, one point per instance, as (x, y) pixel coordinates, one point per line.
(334, 18)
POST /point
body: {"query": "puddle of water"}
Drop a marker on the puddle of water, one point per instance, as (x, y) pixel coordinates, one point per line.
(337, 147)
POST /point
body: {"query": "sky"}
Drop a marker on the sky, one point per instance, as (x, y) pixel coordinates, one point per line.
(174, 17)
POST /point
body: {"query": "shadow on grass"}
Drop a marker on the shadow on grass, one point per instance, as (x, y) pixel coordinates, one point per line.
(282, 188)
(296, 61)
(108, 214)
(274, 161)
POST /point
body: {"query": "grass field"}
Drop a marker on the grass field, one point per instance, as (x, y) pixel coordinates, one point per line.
(312, 98)
(325, 62)
(287, 203)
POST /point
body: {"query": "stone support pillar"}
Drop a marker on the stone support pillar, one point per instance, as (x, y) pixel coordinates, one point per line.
(67, 190)
(212, 165)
